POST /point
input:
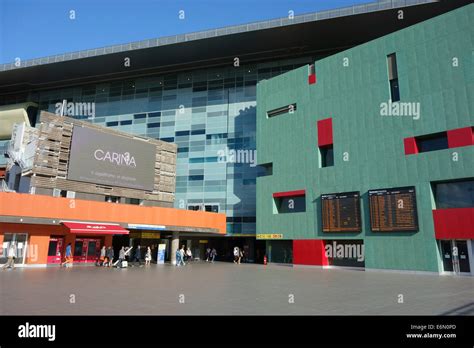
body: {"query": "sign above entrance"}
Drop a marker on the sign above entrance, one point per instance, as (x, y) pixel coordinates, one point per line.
(269, 236)
(146, 227)
(94, 228)
(145, 235)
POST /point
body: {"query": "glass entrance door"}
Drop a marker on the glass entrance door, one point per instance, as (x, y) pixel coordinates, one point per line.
(447, 255)
(21, 241)
(463, 256)
(86, 249)
(455, 256)
(54, 250)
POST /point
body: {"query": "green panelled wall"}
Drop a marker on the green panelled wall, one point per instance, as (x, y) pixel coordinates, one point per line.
(352, 95)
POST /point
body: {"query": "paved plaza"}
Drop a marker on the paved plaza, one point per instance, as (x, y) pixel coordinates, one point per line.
(229, 289)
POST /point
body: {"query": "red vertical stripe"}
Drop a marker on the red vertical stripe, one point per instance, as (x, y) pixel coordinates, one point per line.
(312, 79)
(325, 132)
(410, 146)
(460, 137)
(309, 252)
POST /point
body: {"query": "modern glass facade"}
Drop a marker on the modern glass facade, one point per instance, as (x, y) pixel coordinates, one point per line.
(208, 113)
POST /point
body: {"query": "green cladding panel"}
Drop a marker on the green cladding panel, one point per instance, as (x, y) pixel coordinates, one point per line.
(435, 63)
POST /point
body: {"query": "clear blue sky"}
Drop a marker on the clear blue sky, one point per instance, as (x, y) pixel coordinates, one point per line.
(39, 28)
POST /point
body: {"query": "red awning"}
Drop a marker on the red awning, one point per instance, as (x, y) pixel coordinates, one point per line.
(94, 228)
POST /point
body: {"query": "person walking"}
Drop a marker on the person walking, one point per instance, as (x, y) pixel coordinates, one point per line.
(178, 258)
(236, 255)
(121, 257)
(148, 256)
(11, 256)
(208, 254)
(138, 255)
(242, 256)
(182, 253)
(102, 256)
(110, 256)
(213, 254)
(68, 256)
(189, 254)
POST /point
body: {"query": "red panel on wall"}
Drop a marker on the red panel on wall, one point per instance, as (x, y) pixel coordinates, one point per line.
(312, 79)
(454, 223)
(325, 132)
(460, 137)
(289, 194)
(410, 146)
(309, 252)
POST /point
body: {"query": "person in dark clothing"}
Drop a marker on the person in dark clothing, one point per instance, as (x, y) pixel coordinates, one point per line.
(213, 254)
(138, 255)
(110, 256)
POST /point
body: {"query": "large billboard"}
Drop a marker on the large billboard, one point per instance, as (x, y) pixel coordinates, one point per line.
(113, 160)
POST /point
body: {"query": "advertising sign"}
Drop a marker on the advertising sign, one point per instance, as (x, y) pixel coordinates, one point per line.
(113, 160)
(160, 258)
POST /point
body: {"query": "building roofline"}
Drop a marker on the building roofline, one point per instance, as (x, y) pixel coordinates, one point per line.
(378, 5)
(312, 36)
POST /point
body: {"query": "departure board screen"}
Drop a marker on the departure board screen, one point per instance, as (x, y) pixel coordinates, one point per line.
(341, 212)
(393, 209)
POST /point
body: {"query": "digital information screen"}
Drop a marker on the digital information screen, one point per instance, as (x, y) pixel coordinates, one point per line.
(341, 212)
(393, 209)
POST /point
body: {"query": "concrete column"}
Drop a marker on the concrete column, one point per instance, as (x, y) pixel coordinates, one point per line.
(174, 247)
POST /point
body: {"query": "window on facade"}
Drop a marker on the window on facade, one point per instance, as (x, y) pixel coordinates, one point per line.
(133, 201)
(432, 142)
(290, 202)
(112, 199)
(454, 194)
(195, 207)
(196, 177)
(288, 109)
(327, 156)
(267, 169)
(211, 208)
(154, 114)
(198, 131)
(393, 77)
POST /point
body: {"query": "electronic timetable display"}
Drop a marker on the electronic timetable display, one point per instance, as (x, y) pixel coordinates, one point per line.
(341, 212)
(393, 209)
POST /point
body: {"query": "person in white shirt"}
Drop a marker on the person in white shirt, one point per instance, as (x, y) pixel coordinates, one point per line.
(189, 254)
(181, 260)
(148, 256)
(11, 257)
(236, 255)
